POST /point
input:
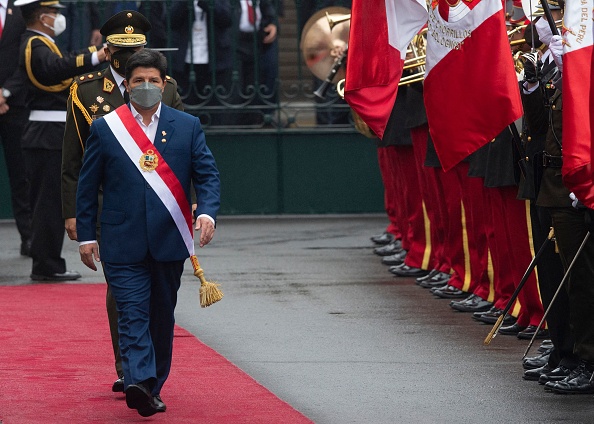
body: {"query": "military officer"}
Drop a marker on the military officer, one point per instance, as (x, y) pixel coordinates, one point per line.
(46, 73)
(92, 96)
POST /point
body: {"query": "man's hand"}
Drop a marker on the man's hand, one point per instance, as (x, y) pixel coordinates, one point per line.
(3, 105)
(270, 30)
(70, 225)
(101, 55)
(206, 228)
(87, 253)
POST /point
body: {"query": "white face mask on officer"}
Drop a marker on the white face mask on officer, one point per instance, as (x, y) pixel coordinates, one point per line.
(59, 23)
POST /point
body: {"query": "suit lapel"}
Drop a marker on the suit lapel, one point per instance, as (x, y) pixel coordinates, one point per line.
(165, 130)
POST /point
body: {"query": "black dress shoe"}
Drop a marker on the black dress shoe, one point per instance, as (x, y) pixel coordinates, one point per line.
(536, 361)
(536, 373)
(395, 259)
(58, 276)
(472, 303)
(512, 330)
(118, 385)
(389, 249)
(450, 292)
(580, 384)
(527, 333)
(492, 315)
(139, 397)
(432, 273)
(549, 385)
(159, 404)
(409, 271)
(544, 345)
(394, 268)
(383, 239)
(437, 281)
(558, 374)
(26, 247)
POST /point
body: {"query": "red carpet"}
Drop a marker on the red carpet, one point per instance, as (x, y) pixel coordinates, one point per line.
(56, 367)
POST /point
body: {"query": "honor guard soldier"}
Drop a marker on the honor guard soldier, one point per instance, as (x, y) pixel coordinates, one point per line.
(571, 310)
(93, 95)
(13, 118)
(46, 73)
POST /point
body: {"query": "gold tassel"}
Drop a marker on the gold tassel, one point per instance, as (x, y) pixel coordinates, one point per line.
(494, 330)
(209, 292)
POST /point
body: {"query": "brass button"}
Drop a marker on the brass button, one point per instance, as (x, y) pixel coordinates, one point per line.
(529, 138)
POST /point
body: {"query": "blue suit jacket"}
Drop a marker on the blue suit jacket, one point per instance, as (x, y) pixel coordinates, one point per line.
(134, 220)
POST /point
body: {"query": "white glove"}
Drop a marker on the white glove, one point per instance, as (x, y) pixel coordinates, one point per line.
(574, 200)
(544, 30)
(556, 48)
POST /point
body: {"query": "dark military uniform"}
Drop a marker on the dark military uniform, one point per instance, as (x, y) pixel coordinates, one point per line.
(13, 122)
(48, 74)
(92, 96)
(543, 108)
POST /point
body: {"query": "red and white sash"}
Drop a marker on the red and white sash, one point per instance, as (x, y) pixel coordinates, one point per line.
(165, 183)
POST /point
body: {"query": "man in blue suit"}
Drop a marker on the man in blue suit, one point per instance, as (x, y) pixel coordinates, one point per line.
(145, 156)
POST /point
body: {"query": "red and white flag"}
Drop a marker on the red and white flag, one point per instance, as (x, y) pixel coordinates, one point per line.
(379, 35)
(578, 99)
(471, 89)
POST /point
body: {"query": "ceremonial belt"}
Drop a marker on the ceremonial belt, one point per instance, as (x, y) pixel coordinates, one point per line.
(146, 158)
(550, 161)
(48, 115)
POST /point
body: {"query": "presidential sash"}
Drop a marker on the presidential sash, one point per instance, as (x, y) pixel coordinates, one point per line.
(153, 168)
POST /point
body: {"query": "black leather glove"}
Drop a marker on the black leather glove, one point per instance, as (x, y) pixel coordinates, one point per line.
(589, 219)
(532, 67)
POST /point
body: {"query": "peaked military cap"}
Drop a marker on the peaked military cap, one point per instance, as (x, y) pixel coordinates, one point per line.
(39, 3)
(127, 28)
(553, 5)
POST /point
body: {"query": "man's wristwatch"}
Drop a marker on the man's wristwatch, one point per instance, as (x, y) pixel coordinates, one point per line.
(6, 93)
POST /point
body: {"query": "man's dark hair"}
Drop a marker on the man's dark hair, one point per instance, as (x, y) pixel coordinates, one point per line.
(147, 58)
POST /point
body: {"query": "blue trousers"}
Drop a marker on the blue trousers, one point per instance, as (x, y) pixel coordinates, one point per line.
(146, 295)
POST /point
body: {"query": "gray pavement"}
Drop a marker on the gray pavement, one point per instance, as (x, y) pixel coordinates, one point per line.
(312, 314)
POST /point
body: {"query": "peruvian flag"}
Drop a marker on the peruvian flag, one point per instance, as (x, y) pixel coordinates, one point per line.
(471, 89)
(379, 35)
(578, 100)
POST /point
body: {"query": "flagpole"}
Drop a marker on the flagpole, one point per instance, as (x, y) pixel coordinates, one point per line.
(549, 16)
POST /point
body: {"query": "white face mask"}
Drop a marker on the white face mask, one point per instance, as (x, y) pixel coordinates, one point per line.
(59, 23)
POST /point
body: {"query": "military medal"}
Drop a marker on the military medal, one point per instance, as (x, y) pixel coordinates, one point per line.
(108, 85)
(149, 161)
(94, 108)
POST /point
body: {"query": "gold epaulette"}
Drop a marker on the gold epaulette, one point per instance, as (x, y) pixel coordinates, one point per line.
(52, 46)
(78, 103)
(92, 76)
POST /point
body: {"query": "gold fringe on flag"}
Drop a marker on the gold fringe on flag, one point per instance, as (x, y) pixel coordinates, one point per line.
(209, 292)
